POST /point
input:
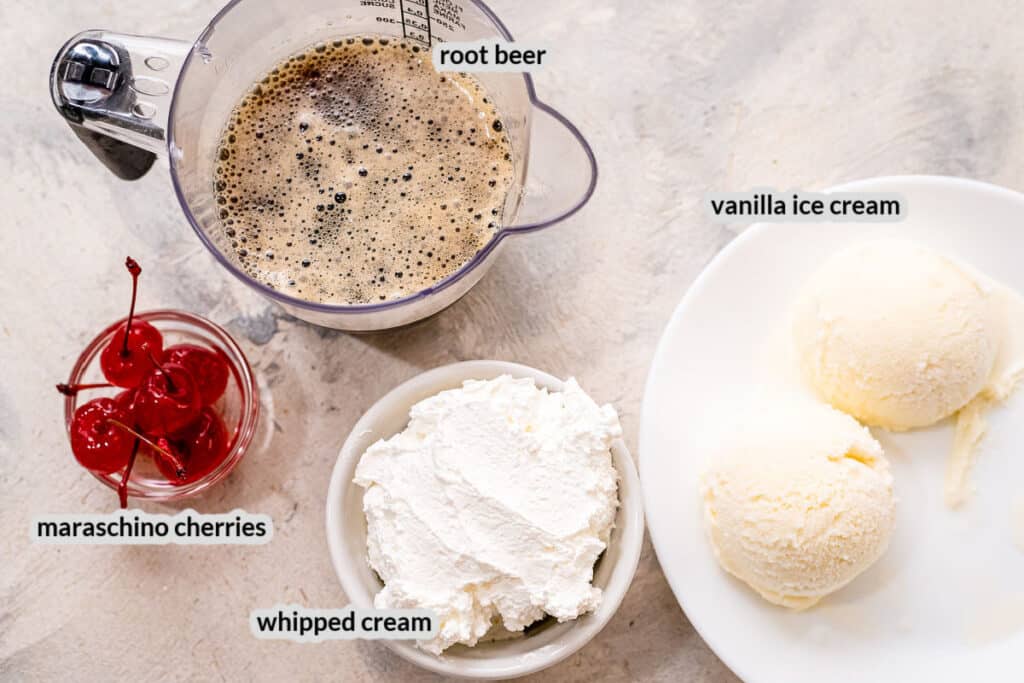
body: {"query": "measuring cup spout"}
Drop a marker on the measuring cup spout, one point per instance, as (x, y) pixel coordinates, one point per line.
(115, 90)
(561, 175)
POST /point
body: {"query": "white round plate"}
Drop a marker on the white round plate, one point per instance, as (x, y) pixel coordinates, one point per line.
(946, 602)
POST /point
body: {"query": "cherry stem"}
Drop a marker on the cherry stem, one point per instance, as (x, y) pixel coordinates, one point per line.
(73, 389)
(163, 451)
(133, 267)
(160, 368)
(179, 466)
(122, 488)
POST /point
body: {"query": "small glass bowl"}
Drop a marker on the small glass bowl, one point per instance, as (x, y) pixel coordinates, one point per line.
(239, 407)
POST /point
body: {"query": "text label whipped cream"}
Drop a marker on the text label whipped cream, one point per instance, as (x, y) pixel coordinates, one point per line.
(492, 507)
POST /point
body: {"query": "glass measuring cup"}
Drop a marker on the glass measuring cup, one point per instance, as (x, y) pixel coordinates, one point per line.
(131, 98)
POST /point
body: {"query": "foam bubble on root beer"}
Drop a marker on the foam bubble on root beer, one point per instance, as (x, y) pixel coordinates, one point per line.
(355, 173)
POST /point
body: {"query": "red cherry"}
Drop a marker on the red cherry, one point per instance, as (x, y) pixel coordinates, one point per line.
(126, 359)
(208, 369)
(126, 399)
(161, 449)
(202, 446)
(167, 400)
(168, 459)
(125, 363)
(99, 444)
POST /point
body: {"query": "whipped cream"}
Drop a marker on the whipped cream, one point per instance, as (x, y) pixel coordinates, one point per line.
(492, 507)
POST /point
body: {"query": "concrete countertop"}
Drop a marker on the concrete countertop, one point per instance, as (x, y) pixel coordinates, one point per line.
(677, 99)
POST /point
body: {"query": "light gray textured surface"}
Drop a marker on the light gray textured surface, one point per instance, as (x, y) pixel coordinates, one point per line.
(677, 98)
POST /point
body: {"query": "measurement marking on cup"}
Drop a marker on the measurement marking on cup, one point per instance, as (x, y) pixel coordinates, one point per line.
(416, 20)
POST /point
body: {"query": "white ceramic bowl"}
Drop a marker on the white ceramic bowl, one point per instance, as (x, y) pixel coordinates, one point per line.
(542, 647)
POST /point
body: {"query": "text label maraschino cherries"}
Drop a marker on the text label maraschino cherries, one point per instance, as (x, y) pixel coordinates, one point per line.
(167, 409)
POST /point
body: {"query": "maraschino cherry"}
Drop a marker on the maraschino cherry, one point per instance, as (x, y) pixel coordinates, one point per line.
(166, 405)
(167, 460)
(167, 401)
(126, 359)
(126, 399)
(97, 440)
(209, 370)
(202, 446)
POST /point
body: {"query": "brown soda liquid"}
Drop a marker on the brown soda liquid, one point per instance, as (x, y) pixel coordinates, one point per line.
(355, 173)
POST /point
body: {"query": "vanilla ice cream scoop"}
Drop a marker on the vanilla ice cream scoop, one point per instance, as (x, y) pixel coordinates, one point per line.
(799, 502)
(895, 334)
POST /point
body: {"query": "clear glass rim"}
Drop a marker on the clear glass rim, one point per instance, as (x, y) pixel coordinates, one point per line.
(443, 284)
(249, 410)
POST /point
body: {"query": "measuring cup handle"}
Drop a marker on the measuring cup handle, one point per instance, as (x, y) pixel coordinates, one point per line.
(561, 174)
(115, 91)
